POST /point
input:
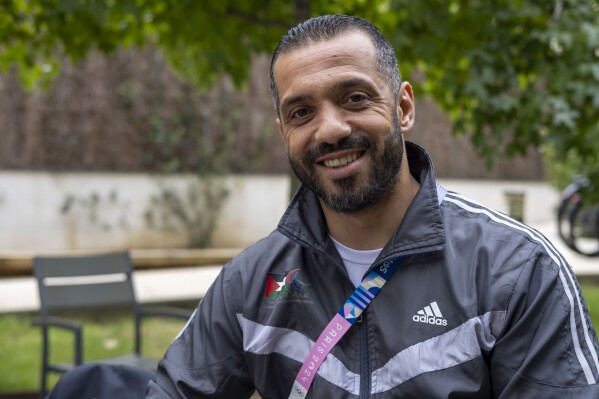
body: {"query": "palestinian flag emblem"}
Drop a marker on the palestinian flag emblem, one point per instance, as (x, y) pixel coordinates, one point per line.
(283, 284)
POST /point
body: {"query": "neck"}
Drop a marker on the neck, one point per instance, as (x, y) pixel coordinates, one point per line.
(372, 228)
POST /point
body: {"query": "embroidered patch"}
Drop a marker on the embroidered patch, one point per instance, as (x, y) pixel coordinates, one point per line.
(289, 287)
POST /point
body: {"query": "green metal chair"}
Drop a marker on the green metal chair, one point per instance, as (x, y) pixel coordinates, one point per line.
(88, 282)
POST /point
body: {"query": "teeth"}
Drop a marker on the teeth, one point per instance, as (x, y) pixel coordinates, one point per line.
(334, 163)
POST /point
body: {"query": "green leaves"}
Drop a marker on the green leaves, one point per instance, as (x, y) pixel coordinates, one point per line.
(511, 74)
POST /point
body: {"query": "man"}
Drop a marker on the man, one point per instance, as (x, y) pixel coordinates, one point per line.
(480, 306)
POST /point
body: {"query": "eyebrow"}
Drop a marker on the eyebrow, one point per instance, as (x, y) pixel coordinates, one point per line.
(292, 100)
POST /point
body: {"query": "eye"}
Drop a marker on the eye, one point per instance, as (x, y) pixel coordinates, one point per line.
(356, 98)
(300, 113)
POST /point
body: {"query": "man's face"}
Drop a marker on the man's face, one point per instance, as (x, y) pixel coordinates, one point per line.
(339, 121)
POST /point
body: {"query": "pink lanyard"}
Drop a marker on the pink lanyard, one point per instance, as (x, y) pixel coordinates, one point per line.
(340, 324)
(344, 319)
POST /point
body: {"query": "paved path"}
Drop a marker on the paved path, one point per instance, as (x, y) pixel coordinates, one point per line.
(191, 283)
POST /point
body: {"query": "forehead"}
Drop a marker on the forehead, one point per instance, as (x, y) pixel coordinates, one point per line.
(327, 60)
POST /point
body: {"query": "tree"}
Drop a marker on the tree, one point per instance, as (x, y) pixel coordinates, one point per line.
(511, 74)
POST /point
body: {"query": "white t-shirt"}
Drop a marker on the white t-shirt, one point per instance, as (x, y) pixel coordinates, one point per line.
(356, 262)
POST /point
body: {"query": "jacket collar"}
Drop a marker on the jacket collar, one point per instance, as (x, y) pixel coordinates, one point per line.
(420, 231)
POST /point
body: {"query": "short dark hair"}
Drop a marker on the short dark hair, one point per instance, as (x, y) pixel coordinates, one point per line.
(327, 27)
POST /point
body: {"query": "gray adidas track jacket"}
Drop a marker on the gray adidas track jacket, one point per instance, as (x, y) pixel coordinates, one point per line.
(481, 307)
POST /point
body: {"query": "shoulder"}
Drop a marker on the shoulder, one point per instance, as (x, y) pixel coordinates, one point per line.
(504, 251)
(475, 220)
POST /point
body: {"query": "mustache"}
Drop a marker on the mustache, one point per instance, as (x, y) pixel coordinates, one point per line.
(347, 143)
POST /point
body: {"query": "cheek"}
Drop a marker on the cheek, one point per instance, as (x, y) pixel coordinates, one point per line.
(372, 122)
(296, 143)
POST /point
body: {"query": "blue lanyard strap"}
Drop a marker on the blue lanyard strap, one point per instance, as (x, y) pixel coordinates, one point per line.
(367, 290)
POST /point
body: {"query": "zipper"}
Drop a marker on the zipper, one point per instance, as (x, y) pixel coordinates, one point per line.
(364, 357)
(406, 253)
(365, 376)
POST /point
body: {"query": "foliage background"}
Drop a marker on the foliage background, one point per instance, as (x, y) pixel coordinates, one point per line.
(511, 74)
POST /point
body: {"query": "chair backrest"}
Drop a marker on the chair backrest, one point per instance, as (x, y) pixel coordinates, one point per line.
(84, 281)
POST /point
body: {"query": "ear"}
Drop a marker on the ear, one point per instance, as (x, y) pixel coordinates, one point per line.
(406, 110)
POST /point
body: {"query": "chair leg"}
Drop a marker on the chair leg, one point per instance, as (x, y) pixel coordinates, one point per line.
(44, 379)
(43, 383)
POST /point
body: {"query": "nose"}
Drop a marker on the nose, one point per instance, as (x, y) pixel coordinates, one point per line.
(332, 125)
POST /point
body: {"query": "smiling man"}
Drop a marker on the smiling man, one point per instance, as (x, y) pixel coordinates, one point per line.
(377, 283)
(341, 121)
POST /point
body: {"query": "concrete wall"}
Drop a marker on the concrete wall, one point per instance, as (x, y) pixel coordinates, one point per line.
(31, 217)
(30, 203)
(539, 199)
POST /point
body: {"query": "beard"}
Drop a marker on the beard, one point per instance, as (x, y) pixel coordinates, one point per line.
(350, 196)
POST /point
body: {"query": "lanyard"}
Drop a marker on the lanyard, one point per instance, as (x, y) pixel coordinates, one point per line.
(344, 319)
(340, 324)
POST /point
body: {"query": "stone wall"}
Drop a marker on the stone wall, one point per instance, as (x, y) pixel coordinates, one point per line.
(110, 113)
(456, 158)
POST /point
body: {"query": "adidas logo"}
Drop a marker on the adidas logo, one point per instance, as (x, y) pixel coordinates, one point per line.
(430, 315)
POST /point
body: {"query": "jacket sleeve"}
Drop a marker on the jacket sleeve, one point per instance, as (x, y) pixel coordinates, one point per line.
(548, 347)
(206, 359)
